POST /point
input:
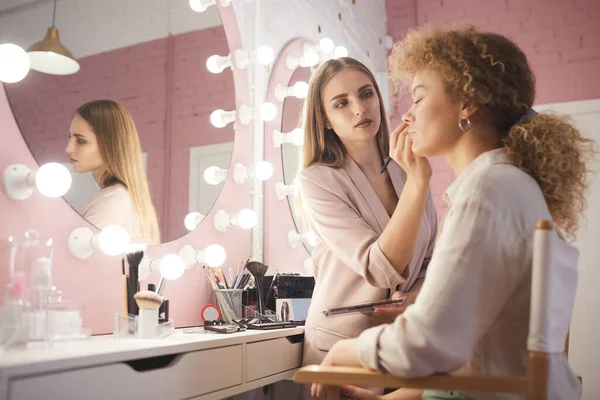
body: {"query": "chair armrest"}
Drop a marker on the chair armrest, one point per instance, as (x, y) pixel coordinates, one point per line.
(337, 376)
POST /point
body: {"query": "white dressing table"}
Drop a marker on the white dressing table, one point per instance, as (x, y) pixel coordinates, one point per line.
(180, 366)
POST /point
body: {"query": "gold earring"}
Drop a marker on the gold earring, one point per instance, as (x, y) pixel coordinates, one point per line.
(462, 122)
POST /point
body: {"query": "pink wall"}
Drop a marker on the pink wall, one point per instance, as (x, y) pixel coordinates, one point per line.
(560, 37)
(97, 281)
(168, 90)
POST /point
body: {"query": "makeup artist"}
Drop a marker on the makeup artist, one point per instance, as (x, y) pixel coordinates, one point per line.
(103, 139)
(376, 228)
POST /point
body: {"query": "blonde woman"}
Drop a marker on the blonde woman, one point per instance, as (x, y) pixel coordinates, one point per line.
(376, 229)
(103, 140)
(472, 97)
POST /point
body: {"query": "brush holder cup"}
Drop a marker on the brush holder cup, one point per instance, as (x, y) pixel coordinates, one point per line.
(229, 302)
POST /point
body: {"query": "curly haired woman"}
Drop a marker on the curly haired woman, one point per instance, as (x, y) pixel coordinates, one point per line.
(472, 97)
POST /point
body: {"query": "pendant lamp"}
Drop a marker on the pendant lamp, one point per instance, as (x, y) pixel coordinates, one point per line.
(50, 56)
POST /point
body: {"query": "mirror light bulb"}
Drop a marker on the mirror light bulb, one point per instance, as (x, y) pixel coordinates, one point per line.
(263, 170)
(216, 118)
(214, 255)
(326, 45)
(298, 137)
(216, 64)
(268, 111)
(220, 118)
(340, 51)
(265, 55)
(211, 175)
(247, 218)
(53, 179)
(311, 238)
(192, 220)
(171, 266)
(300, 89)
(14, 63)
(311, 58)
(113, 240)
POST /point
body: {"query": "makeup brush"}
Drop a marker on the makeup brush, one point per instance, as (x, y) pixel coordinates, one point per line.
(125, 286)
(134, 260)
(385, 164)
(148, 302)
(258, 269)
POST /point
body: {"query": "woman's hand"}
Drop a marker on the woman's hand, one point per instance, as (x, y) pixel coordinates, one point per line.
(356, 393)
(416, 167)
(317, 390)
(387, 315)
(341, 353)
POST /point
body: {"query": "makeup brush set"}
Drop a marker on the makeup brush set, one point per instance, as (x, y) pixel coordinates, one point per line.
(145, 310)
(257, 271)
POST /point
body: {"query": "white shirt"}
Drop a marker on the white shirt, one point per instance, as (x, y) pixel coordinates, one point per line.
(473, 308)
(113, 206)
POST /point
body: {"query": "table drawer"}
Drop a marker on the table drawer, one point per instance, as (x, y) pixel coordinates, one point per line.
(273, 356)
(177, 376)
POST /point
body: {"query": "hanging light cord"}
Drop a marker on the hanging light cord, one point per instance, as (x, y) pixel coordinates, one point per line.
(54, 14)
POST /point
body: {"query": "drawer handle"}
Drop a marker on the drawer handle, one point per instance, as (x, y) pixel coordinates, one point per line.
(151, 363)
(299, 338)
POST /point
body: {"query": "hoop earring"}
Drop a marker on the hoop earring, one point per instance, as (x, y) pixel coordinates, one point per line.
(461, 123)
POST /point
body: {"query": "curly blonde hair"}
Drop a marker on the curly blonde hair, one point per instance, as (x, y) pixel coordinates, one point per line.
(490, 71)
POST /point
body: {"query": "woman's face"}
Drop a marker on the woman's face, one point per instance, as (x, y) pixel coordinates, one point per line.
(351, 106)
(433, 116)
(83, 147)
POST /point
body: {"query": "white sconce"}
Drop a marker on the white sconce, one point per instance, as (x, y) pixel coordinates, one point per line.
(192, 220)
(170, 267)
(263, 170)
(202, 5)
(216, 64)
(340, 51)
(51, 179)
(213, 256)
(245, 219)
(325, 46)
(221, 118)
(310, 58)
(309, 238)
(282, 190)
(214, 175)
(113, 240)
(263, 55)
(295, 137)
(299, 90)
(14, 63)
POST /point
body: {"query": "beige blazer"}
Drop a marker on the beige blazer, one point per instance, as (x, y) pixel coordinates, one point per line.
(349, 266)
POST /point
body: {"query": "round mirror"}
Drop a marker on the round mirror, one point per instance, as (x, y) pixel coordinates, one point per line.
(291, 151)
(151, 59)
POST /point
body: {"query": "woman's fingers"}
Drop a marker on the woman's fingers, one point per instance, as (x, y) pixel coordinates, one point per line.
(394, 137)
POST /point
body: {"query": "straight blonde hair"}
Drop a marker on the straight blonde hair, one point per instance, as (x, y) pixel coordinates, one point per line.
(321, 145)
(121, 152)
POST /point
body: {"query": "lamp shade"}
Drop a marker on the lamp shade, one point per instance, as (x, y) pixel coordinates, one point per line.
(50, 56)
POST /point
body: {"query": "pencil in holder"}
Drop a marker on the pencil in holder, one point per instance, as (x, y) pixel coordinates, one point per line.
(229, 302)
